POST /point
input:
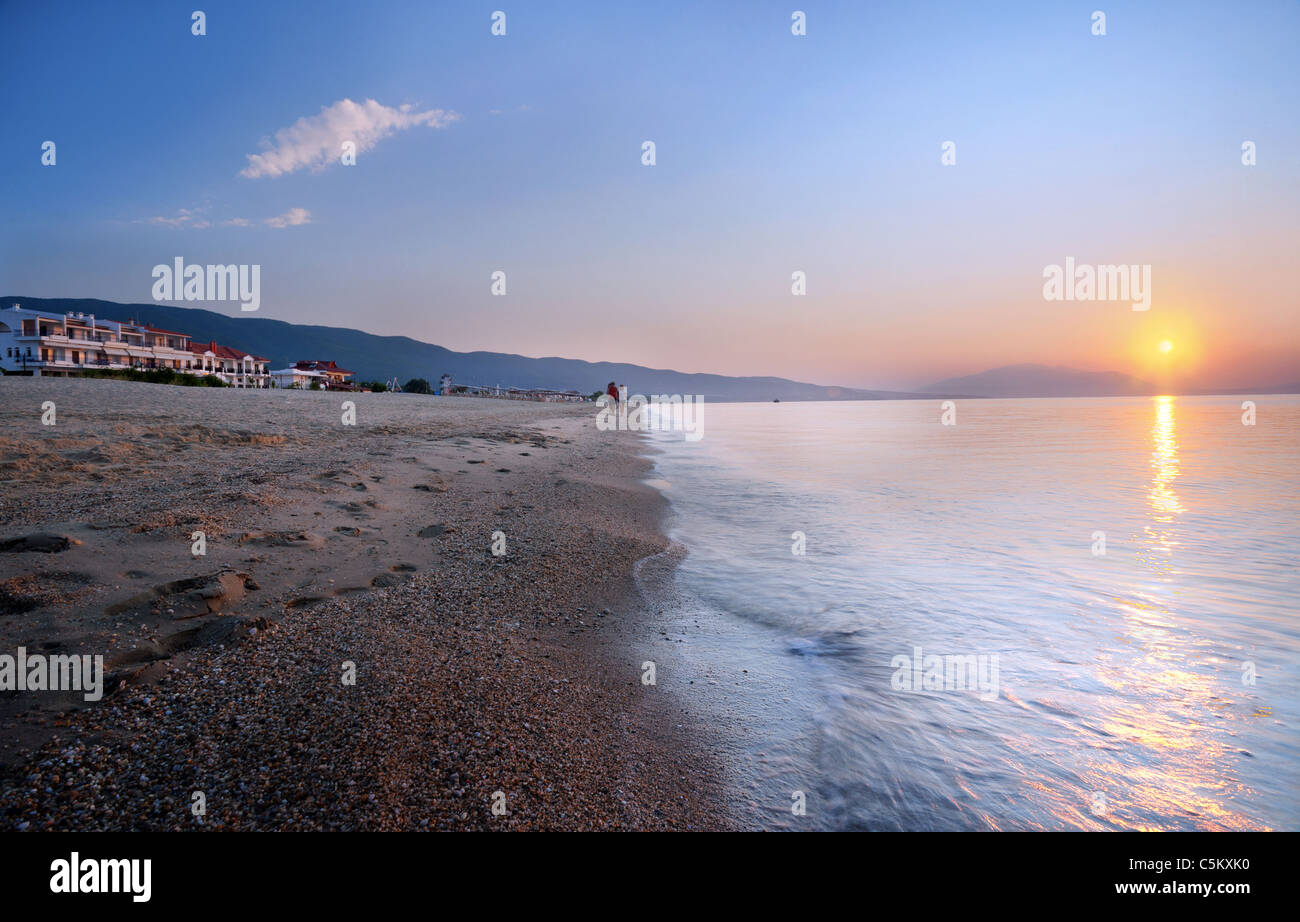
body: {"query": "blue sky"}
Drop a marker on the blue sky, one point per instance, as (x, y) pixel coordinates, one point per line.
(774, 153)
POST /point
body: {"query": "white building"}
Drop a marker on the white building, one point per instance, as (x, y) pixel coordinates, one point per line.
(233, 366)
(300, 378)
(53, 344)
(49, 343)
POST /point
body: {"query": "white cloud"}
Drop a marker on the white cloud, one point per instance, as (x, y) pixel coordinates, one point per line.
(185, 217)
(190, 218)
(316, 141)
(291, 218)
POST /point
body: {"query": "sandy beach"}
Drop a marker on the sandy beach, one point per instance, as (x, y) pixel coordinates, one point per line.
(329, 544)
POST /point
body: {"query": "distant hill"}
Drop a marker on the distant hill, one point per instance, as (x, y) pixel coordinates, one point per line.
(1041, 381)
(379, 358)
(1048, 381)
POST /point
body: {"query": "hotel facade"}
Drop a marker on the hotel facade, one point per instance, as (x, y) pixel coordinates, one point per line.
(69, 344)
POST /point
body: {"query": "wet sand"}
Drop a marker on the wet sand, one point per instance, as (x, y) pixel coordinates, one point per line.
(329, 544)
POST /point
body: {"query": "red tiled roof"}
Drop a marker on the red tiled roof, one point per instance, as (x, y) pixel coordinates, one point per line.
(221, 352)
(323, 365)
(168, 332)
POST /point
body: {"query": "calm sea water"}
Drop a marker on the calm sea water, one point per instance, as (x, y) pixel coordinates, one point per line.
(1155, 686)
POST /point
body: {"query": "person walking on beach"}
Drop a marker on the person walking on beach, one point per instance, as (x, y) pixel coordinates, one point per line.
(612, 391)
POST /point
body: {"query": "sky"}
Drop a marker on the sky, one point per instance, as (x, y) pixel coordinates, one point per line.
(775, 153)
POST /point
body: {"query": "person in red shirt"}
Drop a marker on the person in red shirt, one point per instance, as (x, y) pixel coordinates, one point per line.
(612, 391)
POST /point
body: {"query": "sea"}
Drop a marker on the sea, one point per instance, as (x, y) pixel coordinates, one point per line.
(996, 614)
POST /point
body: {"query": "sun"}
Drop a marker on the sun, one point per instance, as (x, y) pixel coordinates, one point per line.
(1157, 349)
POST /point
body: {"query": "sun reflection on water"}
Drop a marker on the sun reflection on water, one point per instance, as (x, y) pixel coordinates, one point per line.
(1164, 464)
(1173, 761)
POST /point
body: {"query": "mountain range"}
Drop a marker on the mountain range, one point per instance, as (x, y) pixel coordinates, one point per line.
(381, 358)
(1058, 381)
(1042, 381)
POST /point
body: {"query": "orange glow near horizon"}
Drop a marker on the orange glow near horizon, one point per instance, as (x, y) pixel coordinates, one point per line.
(1166, 349)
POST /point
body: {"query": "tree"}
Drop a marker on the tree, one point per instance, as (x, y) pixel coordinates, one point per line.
(417, 386)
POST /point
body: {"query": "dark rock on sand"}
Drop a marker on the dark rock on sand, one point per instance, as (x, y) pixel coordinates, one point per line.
(14, 604)
(40, 543)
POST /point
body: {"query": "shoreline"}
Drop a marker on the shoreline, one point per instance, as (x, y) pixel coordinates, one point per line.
(474, 673)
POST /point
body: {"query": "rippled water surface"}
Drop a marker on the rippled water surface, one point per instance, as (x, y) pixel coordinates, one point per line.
(1154, 686)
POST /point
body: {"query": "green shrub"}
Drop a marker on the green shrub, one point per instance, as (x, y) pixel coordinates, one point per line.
(155, 376)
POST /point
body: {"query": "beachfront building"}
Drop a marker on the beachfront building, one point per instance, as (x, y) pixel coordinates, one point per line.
(46, 343)
(335, 378)
(63, 344)
(233, 366)
(300, 378)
